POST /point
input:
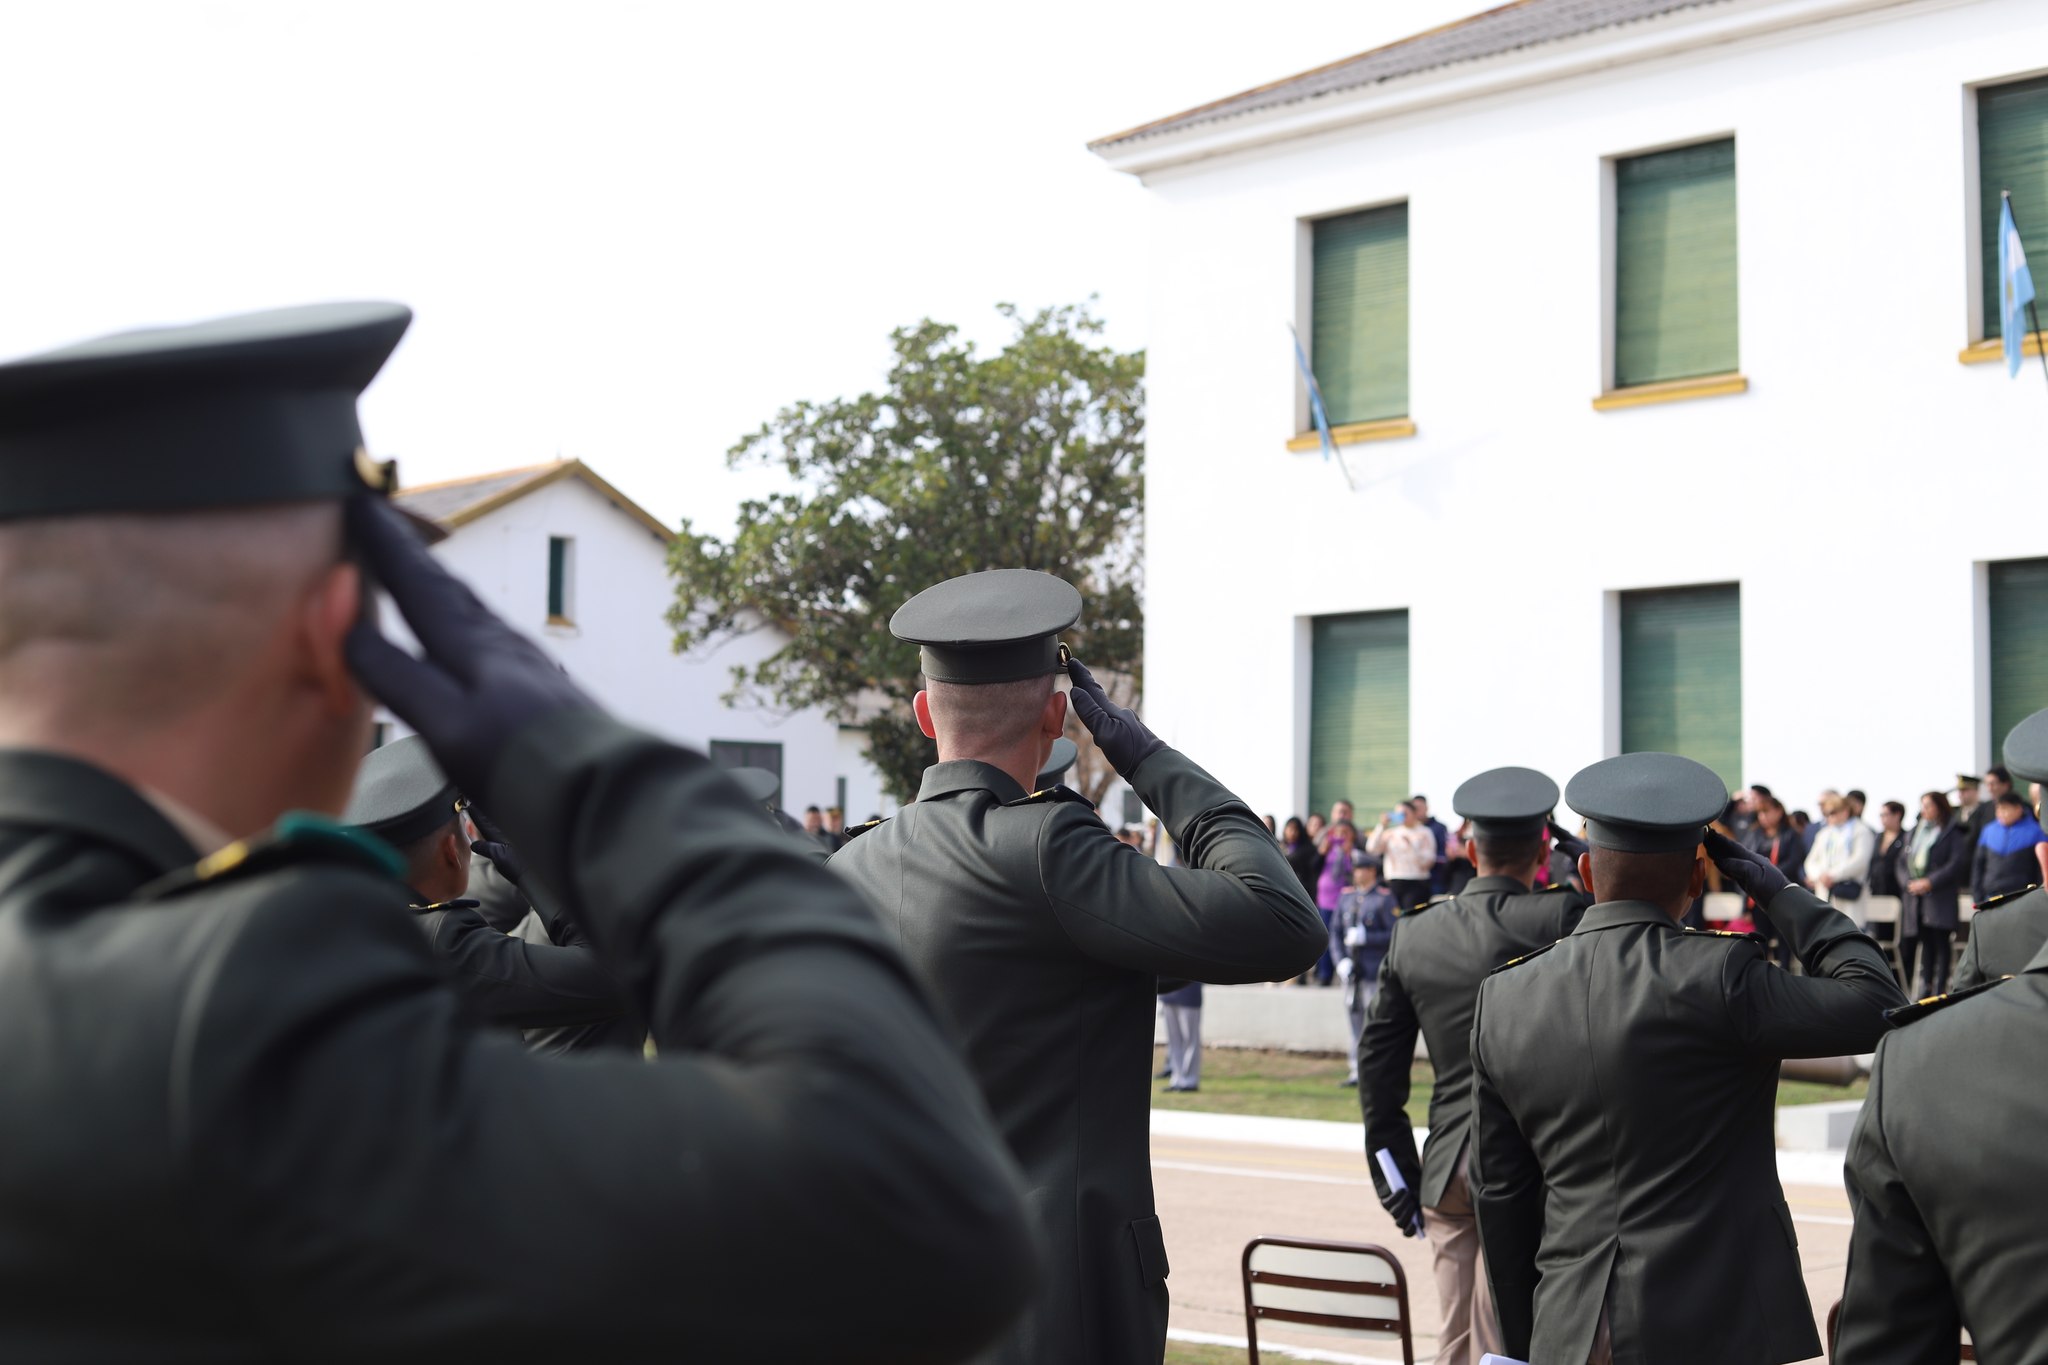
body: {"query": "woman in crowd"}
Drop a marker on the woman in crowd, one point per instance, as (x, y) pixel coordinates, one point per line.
(1773, 837)
(1937, 857)
(1300, 851)
(1838, 858)
(2006, 860)
(1342, 843)
(1407, 849)
(1888, 865)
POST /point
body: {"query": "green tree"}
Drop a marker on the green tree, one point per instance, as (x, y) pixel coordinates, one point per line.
(1030, 458)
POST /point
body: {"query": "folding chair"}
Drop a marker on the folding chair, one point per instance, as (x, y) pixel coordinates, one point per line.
(1349, 1289)
(1835, 1320)
(1885, 910)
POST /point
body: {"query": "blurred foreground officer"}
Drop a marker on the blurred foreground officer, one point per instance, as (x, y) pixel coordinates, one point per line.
(2007, 931)
(1043, 937)
(1430, 985)
(1624, 1164)
(1948, 1231)
(403, 798)
(243, 1117)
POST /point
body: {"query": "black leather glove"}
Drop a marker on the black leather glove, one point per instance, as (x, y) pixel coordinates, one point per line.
(1750, 871)
(1567, 842)
(500, 856)
(480, 681)
(1122, 737)
(1406, 1211)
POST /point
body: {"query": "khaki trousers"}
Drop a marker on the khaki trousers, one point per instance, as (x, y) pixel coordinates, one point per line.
(1470, 1328)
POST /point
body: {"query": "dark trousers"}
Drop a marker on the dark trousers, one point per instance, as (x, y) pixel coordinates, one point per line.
(1409, 894)
(1326, 966)
(1935, 959)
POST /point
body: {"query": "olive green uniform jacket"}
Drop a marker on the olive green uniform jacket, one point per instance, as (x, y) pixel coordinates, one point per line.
(1624, 1152)
(1945, 1173)
(1043, 939)
(1429, 984)
(245, 1119)
(2005, 933)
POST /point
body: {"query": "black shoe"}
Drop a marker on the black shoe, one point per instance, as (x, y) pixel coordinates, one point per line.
(1349, 1082)
(1184, 1089)
(1162, 1075)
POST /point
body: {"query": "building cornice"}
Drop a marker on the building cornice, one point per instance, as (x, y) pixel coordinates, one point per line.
(1143, 154)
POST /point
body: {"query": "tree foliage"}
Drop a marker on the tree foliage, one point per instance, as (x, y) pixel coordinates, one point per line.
(1029, 458)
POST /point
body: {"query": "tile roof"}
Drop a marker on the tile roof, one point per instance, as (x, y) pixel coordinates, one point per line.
(1520, 24)
(456, 502)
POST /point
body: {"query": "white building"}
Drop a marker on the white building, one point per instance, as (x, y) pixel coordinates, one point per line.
(1651, 330)
(579, 566)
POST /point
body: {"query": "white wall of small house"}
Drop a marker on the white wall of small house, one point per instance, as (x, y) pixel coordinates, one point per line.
(618, 643)
(1853, 492)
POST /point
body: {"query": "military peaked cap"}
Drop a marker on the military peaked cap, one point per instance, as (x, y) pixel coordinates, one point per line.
(1506, 803)
(1647, 803)
(1064, 752)
(401, 793)
(994, 627)
(758, 783)
(238, 411)
(2026, 749)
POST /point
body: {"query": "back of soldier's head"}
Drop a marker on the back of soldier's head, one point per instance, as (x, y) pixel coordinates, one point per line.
(990, 653)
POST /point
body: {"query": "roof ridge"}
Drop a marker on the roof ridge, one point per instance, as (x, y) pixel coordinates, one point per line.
(479, 478)
(1261, 89)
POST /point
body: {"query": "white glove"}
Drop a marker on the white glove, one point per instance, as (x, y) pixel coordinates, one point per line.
(1345, 967)
(1354, 937)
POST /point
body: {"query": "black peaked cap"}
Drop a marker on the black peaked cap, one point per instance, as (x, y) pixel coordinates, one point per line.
(994, 627)
(2026, 749)
(1506, 803)
(401, 793)
(1647, 803)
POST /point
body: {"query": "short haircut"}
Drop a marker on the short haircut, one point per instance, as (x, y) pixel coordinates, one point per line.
(1998, 770)
(812, 810)
(2011, 797)
(986, 716)
(1509, 851)
(1425, 800)
(1659, 878)
(1856, 794)
(419, 855)
(1896, 808)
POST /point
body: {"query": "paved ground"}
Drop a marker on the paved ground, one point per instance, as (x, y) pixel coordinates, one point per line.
(1215, 1194)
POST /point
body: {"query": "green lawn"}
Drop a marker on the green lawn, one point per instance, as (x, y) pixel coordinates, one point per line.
(1186, 1353)
(1298, 1085)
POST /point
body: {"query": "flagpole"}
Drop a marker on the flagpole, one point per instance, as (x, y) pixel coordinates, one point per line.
(2033, 313)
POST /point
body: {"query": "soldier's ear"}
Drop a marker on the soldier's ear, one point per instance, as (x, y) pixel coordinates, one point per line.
(1699, 877)
(327, 612)
(1586, 873)
(921, 704)
(1053, 719)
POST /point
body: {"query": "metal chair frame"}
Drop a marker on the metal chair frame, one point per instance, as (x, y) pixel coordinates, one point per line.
(1402, 1326)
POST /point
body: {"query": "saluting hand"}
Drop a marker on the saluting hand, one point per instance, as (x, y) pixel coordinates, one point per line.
(1747, 869)
(1566, 841)
(1123, 738)
(480, 682)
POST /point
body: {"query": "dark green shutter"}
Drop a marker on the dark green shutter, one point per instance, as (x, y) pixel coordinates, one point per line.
(2019, 645)
(1358, 710)
(2012, 154)
(558, 573)
(1674, 264)
(1681, 675)
(1359, 317)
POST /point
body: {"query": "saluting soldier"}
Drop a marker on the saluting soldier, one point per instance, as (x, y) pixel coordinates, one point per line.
(1043, 937)
(1624, 1163)
(403, 798)
(2006, 931)
(1429, 984)
(243, 1116)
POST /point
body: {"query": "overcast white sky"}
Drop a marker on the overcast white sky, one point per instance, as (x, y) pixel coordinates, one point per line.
(631, 231)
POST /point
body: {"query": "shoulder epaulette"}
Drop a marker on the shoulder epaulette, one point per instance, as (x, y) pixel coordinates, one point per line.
(1057, 792)
(446, 905)
(1763, 939)
(1518, 961)
(1995, 901)
(855, 831)
(1920, 1009)
(300, 837)
(1432, 902)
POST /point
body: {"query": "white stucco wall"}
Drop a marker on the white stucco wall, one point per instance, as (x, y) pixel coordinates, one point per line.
(619, 646)
(1852, 492)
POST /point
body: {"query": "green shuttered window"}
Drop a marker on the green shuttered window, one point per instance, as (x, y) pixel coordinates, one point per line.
(2019, 645)
(1359, 319)
(1681, 675)
(2012, 154)
(1358, 710)
(1674, 264)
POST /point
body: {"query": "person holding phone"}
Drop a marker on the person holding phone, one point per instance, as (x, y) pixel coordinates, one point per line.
(1407, 851)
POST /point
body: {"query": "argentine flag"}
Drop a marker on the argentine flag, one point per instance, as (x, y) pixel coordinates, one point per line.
(2015, 288)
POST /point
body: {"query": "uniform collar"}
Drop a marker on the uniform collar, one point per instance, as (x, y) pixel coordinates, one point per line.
(39, 789)
(969, 774)
(1486, 884)
(1615, 914)
(2040, 962)
(459, 904)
